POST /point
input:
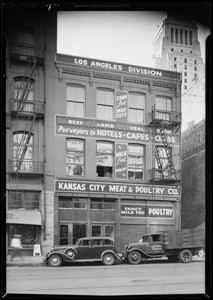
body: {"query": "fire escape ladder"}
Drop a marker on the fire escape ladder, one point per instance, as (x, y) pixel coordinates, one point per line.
(157, 156)
(26, 87)
(24, 144)
(168, 152)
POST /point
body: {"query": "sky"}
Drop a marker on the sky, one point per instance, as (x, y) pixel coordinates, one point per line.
(119, 36)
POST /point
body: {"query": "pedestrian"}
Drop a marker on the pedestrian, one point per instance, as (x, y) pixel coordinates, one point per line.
(16, 247)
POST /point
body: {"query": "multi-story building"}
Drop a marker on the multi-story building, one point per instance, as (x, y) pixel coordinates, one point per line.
(93, 147)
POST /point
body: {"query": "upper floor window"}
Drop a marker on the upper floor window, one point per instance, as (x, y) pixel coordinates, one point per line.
(23, 94)
(185, 60)
(195, 68)
(136, 112)
(22, 151)
(105, 157)
(176, 36)
(24, 41)
(23, 199)
(75, 157)
(172, 35)
(181, 36)
(186, 37)
(75, 96)
(175, 58)
(195, 62)
(163, 108)
(135, 161)
(185, 67)
(190, 37)
(105, 104)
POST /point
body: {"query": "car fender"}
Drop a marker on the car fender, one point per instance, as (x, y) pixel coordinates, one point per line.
(64, 257)
(70, 248)
(112, 252)
(139, 250)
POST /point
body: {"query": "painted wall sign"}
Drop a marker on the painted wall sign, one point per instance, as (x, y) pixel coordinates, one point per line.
(121, 160)
(114, 188)
(70, 126)
(151, 211)
(113, 66)
(121, 101)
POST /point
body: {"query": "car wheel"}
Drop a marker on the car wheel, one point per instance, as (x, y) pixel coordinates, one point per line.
(54, 260)
(185, 256)
(71, 253)
(108, 259)
(134, 257)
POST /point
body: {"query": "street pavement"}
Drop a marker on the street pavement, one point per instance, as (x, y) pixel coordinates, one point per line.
(37, 260)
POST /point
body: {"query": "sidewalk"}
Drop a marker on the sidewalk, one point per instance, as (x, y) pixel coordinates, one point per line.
(33, 261)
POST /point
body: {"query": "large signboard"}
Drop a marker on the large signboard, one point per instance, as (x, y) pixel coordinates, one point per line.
(121, 160)
(78, 127)
(113, 66)
(151, 211)
(121, 100)
(115, 188)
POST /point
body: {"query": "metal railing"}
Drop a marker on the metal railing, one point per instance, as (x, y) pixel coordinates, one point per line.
(159, 174)
(165, 117)
(27, 50)
(26, 107)
(26, 166)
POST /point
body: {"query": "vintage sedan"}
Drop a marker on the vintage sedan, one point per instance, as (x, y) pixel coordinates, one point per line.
(85, 250)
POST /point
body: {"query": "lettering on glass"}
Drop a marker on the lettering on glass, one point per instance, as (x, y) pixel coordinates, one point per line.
(121, 99)
(121, 160)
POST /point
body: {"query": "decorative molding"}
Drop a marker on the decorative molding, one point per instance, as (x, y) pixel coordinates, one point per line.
(75, 72)
(163, 84)
(136, 80)
(106, 76)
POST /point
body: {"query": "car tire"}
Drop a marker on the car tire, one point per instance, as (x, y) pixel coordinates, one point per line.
(185, 256)
(108, 259)
(134, 257)
(71, 253)
(54, 260)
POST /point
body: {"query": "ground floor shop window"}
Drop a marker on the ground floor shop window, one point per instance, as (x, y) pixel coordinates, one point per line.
(30, 234)
(23, 199)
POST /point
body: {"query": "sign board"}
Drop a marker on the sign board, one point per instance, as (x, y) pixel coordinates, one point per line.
(37, 249)
(115, 188)
(121, 102)
(151, 211)
(121, 160)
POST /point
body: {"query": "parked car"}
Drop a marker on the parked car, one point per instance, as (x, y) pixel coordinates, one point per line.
(85, 250)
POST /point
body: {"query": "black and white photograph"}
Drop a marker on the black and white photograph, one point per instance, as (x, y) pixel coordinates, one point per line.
(104, 169)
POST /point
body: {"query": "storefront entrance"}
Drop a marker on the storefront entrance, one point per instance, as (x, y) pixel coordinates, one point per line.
(69, 233)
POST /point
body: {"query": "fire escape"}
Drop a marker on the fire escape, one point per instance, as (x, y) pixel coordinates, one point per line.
(25, 110)
(164, 173)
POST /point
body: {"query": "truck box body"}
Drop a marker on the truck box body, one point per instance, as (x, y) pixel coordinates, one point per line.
(185, 238)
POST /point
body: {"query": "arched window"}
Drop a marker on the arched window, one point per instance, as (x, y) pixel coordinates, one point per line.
(75, 157)
(105, 104)
(136, 112)
(23, 94)
(105, 158)
(23, 151)
(75, 95)
(135, 161)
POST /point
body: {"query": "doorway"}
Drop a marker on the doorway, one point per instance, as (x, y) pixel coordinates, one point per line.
(69, 233)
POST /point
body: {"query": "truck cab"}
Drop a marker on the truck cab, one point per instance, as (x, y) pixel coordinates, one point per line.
(152, 244)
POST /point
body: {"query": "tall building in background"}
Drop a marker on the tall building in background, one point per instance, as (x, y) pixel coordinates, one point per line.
(176, 48)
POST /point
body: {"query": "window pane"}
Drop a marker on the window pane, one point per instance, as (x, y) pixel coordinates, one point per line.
(105, 112)
(136, 101)
(136, 150)
(105, 160)
(105, 147)
(105, 97)
(75, 93)
(80, 203)
(65, 203)
(77, 145)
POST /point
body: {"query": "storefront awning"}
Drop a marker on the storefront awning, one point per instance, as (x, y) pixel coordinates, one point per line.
(24, 217)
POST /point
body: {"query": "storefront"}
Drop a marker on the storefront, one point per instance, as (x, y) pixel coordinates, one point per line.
(121, 211)
(28, 225)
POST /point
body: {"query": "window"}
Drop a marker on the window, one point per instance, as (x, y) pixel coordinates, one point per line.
(195, 75)
(136, 107)
(190, 52)
(190, 37)
(23, 199)
(185, 87)
(163, 108)
(172, 35)
(30, 234)
(181, 36)
(72, 203)
(175, 66)
(156, 238)
(185, 73)
(195, 62)
(185, 80)
(185, 67)
(75, 96)
(75, 157)
(23, 94)
(181, 50)
(135, 161)
(175, 58)
(172, 49)
(185, 60)
(24, 41)
(176, 36)
(186, 37)
(162, 162)
(105, 104)
(22, 152)
(195, 68)
(105, 156)
(98, 203)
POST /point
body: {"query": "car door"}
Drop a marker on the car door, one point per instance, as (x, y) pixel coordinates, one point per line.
(84, 249)
(97, 248)
(156, 245)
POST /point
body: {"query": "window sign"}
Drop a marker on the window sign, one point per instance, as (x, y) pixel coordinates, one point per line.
(121, 106)
(121, 160)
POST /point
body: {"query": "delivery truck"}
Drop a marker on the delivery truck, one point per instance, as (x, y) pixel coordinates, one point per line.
(176, 245)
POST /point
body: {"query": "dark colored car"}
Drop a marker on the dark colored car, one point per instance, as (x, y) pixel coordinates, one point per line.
(85, 250)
